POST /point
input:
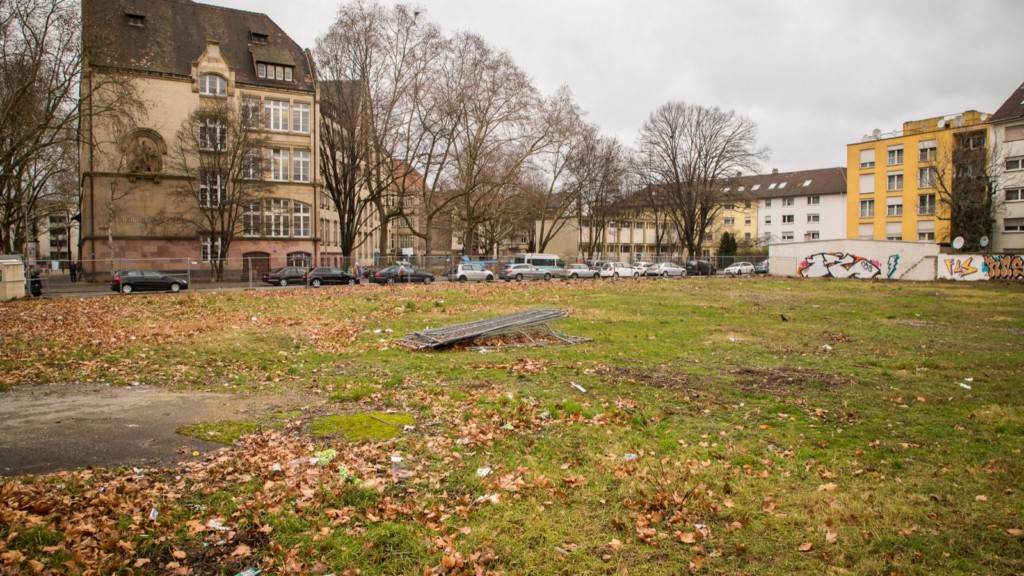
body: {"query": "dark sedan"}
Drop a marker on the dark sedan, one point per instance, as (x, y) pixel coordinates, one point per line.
(700, 268)
(128, 281)
(330, 275)
(400, 273)
(286, 275)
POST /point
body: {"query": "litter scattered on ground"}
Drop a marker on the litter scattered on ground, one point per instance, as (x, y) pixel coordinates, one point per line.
(524, 323)
(578, 387)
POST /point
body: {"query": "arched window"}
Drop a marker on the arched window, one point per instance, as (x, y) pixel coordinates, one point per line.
(213, 85)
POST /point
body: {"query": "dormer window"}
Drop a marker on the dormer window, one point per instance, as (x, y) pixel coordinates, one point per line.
(213, 85)
(136, 20)
(258, 38)
(274, 71)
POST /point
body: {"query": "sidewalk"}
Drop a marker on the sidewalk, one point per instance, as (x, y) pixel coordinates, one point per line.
(58, 285)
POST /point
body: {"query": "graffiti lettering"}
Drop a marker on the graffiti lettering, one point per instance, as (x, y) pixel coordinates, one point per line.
(1005, 267)
(894, 264)
(838, 265)
(962, 267)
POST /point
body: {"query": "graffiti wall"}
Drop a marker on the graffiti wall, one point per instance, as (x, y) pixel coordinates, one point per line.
(838, 265)
(978, 267)
(1005, 266)
(961, 267)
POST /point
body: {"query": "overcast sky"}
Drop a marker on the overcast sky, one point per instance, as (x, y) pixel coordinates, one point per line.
(815, 75)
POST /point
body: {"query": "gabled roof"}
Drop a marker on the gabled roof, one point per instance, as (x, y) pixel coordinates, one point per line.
(1012, 109)
(819, 182)
(166, 36)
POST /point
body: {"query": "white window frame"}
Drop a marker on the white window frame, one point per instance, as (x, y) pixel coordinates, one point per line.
(927, 151)
(813, 200)
(787, 201)
(300, 165)
(813, 218)
(894, 181)
(213, 85)
(867, 158)
(926, 177)
(252, 219)
(300, 117)
(926, 205)
(275, 115)
(867, 208)
(277, 218)
(213, 189)
(1013, 194)
(207, 248)
(301, 220)
(788, 219)
(894, 156)
(1013, 225)
(213, 135)
(278, 160)
(1015, 164)
(894, 208)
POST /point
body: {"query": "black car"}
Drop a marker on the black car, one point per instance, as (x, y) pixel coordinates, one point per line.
(329, 275)
(700, 268)
(128, 281)
(400, 273)
(286, 275)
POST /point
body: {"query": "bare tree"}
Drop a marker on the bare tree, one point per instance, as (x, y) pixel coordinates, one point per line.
(556, 191)
(689, 151)
(42, 101)
(964, 177)
(220, 158)
(372, 60)
(495, 104)
(599, 169)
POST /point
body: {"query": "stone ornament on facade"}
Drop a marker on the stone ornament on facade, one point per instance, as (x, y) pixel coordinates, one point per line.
(144, 150)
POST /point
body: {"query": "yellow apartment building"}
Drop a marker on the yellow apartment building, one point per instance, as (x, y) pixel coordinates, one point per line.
(899, 183)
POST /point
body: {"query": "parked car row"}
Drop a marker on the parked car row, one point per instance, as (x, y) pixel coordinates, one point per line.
(128, 281)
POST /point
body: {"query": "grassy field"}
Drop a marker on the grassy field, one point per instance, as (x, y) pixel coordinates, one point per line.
(722, 426)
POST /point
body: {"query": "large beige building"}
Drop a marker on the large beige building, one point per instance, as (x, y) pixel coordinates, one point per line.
(180, 56)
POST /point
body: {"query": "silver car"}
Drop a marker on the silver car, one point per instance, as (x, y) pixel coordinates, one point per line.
(579, 270)
(520, 272)
(665, 269)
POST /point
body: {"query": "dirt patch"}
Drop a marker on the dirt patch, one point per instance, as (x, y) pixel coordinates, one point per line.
(68, 426)
(786, 380)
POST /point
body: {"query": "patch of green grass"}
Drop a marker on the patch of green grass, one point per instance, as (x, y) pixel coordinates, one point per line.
(227, 431)
(372, 426)
(352, 394)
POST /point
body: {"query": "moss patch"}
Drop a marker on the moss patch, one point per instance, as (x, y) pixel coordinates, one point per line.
(359, 427)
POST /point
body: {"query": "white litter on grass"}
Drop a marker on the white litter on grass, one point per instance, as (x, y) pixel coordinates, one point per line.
(826, 348)
(483, 472)
(578, 387)
(965, 386)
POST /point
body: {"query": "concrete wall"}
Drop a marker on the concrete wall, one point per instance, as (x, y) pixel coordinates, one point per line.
(851, 258)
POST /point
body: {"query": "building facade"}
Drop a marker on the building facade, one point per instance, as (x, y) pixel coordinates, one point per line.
(1008, 155)
(181, 56)
(900, 184)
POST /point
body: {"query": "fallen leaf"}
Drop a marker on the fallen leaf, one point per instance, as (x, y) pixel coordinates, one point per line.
(615, 544)
(806, 546)
(241, 551)
(981, 498)
(1015, 532)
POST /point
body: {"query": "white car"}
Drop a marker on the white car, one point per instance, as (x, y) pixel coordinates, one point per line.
(618, 270)
(641, 267)
(739, 268)
(665, 269)
(470, 272)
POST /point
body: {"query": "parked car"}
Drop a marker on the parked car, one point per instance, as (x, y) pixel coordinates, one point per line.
(469, 272)
(641, 267)
(286, 275)
(761, 267)
(739, 269)
(330, 275)
(618, 270)
(665, 269)
(700, 268)
(128, 281)
(400, 273)
(520, 272)
(580, 270)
